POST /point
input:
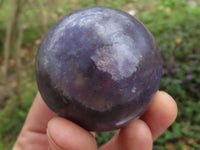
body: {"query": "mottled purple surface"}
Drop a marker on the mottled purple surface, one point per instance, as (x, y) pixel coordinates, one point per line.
(98, 67)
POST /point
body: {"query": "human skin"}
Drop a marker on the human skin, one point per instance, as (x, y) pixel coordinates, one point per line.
(44, 130)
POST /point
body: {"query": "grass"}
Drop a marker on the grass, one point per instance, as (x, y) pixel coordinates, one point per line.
(176, 28)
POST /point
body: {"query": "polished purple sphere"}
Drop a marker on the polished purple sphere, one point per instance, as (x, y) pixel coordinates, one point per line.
(98, 67)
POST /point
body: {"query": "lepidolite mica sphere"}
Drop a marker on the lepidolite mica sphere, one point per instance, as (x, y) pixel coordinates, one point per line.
(98, 67)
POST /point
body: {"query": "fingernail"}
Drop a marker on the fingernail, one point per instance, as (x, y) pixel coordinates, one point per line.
(52, 144)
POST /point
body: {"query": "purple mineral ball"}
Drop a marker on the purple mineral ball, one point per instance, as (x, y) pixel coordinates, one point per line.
(98, 67)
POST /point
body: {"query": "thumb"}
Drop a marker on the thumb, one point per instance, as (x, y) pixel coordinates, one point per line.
(65, 135)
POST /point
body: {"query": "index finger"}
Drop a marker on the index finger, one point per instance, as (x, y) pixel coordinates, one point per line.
(38, 116)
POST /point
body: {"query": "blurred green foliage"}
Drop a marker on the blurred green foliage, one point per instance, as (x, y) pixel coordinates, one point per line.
(176, 28)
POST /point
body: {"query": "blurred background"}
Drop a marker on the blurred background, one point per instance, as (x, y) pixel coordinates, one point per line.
(175, 25)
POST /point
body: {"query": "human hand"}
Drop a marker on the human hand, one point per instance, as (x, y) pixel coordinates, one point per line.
(43, 130)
